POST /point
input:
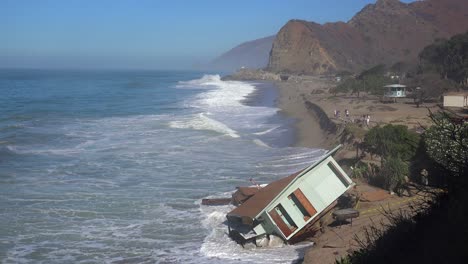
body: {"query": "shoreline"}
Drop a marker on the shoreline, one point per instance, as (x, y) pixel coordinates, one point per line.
(267, 94)
(307, 100)
(294, 102)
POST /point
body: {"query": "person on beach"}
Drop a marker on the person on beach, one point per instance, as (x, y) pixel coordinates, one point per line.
(368, 120)
(346, 113)
(424, 177)
(335, 113)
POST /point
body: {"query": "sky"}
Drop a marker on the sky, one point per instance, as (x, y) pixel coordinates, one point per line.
(146, 34)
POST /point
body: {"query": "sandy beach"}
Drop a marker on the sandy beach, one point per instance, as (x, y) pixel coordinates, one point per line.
(297, 92)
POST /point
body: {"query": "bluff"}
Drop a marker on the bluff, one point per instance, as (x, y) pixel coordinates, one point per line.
(252, 54)
(385, 32)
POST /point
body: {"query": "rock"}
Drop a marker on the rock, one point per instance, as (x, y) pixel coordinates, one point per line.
(275, 241)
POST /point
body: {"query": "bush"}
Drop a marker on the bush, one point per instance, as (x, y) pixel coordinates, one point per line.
(391, 141)
(394, 171)
(447, 144)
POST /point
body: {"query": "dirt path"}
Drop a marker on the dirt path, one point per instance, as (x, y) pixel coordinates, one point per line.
(339, 240)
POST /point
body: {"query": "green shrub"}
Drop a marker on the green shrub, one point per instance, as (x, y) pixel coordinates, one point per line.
(394, 171)
(391, 141)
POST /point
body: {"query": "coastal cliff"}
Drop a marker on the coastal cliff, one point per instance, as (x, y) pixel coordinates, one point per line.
(385, 32)
(252, 54)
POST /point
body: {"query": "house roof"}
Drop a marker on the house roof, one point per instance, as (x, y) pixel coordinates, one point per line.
(253, 206)
(456, 93)
(395, 86)
(243, 194)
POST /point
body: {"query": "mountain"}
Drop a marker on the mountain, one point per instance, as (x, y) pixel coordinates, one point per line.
(385, 32)
(252, 54)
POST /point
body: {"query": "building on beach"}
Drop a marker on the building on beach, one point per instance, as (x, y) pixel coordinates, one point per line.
(395, 91)
(289, 207)
(456, 99)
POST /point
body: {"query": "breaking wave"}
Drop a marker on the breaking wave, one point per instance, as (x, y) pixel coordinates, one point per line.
(202, 122)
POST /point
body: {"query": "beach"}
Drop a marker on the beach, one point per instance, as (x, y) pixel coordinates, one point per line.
(298, 93)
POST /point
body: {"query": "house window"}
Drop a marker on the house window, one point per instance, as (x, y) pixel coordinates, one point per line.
(302, 204)
(338, 174)
(285, 217)
(299, 207)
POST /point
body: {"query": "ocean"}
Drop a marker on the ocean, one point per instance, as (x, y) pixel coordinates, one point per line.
(111, 166)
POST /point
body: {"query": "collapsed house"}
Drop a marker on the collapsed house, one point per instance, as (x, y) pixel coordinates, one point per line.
(289, 207)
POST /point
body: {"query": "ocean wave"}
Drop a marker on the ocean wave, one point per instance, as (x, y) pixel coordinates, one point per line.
(7, 150)
(202, 122)
(203, 82)
(266, 131)
(260, 143)
(222, 93)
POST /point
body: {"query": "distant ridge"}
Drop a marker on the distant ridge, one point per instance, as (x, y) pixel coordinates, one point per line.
(252, 54)
(385, 32)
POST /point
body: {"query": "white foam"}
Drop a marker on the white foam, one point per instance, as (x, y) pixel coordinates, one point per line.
(266, 131)
(202, 122)
(204, 81)
(260, 143)
(218, 245)
(224, 96)
(223, 110)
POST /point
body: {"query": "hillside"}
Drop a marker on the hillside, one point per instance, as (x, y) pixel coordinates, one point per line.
(252, 54)
(385, 32)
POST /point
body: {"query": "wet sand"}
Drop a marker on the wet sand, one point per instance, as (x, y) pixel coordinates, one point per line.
(291, 101)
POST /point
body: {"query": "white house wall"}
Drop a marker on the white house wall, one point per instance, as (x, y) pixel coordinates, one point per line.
(320, 186)
(454, 101)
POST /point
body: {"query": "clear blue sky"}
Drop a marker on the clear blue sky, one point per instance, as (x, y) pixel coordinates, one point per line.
(148, 34)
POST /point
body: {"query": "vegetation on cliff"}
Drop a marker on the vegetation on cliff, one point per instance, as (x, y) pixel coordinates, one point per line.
(396, 147)
(370, 81)
(438, 232)
(449, 58)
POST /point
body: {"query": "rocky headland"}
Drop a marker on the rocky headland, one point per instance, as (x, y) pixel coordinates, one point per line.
(387, 32)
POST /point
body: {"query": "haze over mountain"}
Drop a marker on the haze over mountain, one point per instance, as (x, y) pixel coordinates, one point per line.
(252, 54)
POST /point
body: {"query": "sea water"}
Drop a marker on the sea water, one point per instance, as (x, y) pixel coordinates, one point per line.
(111, 166)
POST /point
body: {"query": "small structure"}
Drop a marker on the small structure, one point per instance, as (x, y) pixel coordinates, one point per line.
(456, 99)
(394, 91)
(343, 214)
(290, 207)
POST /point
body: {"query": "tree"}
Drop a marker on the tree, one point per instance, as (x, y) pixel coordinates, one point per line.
(374, 83)
(394, 171)
(447, 144)
(449, 58)
(371, 80)
(432, 86)
(345, 86)
(376, 70)
(391, 140)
